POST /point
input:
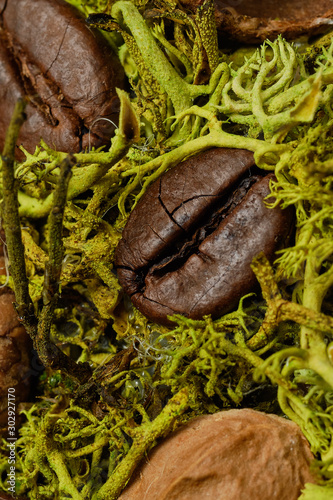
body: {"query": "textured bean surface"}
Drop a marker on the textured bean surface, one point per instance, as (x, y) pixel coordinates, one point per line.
(189, 243)
(67, 69)
(254, 21)
(15, 349)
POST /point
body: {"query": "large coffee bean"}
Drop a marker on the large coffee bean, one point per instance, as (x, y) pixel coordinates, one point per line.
(189, 243)
(67, 70)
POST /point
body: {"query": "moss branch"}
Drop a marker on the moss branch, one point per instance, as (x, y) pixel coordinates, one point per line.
(177, 89)
(12, 226)
(283, 310)
(50, 354)
(314, 324)
(216, 138)
(55, 221)
(84, 178)
(57, 463)
(147, 434)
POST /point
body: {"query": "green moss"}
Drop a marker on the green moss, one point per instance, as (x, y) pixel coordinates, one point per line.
(83, 440)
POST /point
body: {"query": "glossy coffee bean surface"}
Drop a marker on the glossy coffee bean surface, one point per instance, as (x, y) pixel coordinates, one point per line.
(189, 243)
(66, 69)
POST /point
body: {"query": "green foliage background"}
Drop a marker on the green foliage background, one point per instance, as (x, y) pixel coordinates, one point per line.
(275, 352)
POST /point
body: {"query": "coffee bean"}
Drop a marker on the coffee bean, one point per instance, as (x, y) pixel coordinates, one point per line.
(66, 69)
(15, 348)
(188, 244)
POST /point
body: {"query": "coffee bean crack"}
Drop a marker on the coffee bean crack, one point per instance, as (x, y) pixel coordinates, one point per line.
(188, 244)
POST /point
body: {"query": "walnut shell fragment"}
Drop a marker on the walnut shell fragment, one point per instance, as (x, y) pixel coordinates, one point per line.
(231, 455)
(254, 21)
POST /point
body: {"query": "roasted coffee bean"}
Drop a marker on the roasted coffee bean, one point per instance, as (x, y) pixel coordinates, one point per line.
(15, 349)
(188, 244)
(67, 70)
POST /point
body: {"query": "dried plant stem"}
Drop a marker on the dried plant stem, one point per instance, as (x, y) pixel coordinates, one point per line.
(12, 227)
(38, 329)
(143, 441)
(313, 322)
(50, 354)
(55, 222)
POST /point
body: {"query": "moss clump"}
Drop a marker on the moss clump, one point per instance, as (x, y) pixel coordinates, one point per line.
(84, 436)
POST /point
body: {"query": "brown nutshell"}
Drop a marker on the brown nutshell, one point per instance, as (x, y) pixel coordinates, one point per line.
(231, 455)
(66, 69)
(189, 243)
(253, 21)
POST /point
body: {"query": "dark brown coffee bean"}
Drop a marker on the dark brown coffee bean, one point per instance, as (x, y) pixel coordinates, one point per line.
(6, 496)
(67, 70)
(15, 349)
(189, 243)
